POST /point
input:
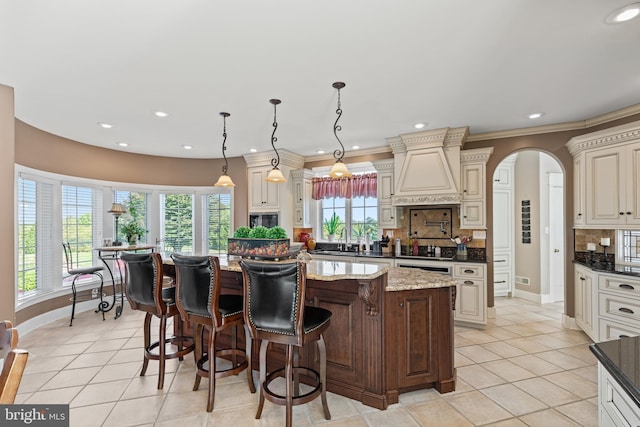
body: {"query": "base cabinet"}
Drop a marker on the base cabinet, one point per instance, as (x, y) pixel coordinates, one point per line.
(585, 286)
(424, 337)
(615, 407)
(471, 300)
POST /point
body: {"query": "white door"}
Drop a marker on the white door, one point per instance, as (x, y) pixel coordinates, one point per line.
(556, 238)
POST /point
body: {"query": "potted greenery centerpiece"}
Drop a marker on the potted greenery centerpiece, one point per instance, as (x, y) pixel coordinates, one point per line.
(259, 242)
(133, 230)
(332, 226)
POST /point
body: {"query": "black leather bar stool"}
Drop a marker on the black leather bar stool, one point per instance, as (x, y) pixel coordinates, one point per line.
(199, 302)
(274, 295)
(143, 287)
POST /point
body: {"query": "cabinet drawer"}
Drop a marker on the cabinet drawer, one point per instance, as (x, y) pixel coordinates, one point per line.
(623, 285)
(610, 330)
(619, 307)
(615, 401)
(468, 270)
(501, 260)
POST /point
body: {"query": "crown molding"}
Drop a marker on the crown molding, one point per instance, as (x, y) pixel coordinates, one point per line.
(427, 199)
(348, 154)
(615, 135)
(263, 158)
(475, 155)
(559, 127)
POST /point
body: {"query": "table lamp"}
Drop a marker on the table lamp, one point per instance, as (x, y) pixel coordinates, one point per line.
(116, 210)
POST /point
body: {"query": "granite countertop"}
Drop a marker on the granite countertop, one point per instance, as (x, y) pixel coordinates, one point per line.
(316, 269)
(608, 267)
(621, 359)
(402, 279)
(392, 256)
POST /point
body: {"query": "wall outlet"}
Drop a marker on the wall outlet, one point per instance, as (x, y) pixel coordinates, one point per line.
(94, 293)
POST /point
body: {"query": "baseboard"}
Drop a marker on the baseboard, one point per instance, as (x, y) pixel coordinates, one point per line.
(529, 296)
(570, 322)
(491, 312)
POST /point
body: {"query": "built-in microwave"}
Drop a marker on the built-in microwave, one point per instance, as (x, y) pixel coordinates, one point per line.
(266, 219)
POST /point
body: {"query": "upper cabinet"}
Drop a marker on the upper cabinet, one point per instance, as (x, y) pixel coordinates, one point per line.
(473, 205)
(607, 177)
(266, 196)
(388, 213)
(302, 197)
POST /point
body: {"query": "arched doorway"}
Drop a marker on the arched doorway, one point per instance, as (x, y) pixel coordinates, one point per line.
(528, 228)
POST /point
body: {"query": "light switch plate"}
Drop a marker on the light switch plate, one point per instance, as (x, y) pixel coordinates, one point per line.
(480, 234)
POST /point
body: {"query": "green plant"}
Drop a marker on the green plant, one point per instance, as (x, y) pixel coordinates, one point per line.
(133, 230)
(242, 232)
(259, 232)
(276, 233)
(333, 224)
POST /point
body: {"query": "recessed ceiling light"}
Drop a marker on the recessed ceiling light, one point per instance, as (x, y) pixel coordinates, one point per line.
(535, 115)
(123, 144)
(355, 147)
(624, 14)
(187, 147)
(105, 125)
(320, 151)
(253, 150)
(160, 113)
(418, 125)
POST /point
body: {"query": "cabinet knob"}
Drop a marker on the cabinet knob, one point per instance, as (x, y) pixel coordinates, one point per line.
(401, 304)
(628, 213)
(464, 191)
(621, 213)
(582, 278)
(579, 214)
(464, 216)
(496, 180)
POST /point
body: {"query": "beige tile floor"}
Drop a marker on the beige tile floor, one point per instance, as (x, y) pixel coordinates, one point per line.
(523, 369)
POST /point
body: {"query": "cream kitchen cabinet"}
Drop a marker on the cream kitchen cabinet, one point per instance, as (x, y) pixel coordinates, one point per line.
(613, 185)
(607, 177)
(388, 214)
(473, 205)
(263, 195)
(471, 297)
(585, 288)
(618, 306)
(302, 197)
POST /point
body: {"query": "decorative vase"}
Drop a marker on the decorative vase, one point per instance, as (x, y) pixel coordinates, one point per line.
(132, 240)
(311, 243)
(331, 237)
(303, 256)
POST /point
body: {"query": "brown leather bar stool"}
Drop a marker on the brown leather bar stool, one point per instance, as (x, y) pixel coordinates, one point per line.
(274, 295)
(143, 287)
(199, 302)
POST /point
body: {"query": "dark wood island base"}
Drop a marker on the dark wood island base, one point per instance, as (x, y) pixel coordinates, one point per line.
(382, 341)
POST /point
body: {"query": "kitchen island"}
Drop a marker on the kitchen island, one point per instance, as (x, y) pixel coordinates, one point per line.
(391, 328)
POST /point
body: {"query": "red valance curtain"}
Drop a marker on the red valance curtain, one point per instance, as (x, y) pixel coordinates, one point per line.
(363, 185)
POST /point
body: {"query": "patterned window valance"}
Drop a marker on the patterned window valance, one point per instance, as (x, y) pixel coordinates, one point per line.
(363, 185)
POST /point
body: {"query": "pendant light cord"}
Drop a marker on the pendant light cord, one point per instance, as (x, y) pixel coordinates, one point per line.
(276, 160)
(225, 167)
(339, 153)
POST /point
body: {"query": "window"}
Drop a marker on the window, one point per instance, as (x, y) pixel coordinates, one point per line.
(34, 221)
(218, 225)
(631, 246)
(177, 224)
(358, 217)
(81, 215)
(136, 205)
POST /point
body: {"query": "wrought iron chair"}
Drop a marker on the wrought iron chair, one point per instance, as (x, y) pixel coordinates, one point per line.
(77, 272)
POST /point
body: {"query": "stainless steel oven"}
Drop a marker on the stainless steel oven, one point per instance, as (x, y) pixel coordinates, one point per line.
(442, 267)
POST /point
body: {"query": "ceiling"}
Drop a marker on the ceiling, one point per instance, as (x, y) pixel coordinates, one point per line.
(483, 64)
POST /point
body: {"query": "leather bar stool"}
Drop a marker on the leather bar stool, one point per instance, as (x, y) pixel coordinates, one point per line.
(274, 295)
(199, 302)
(143, 287)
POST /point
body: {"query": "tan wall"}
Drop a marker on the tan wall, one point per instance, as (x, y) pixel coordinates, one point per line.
(7, 238)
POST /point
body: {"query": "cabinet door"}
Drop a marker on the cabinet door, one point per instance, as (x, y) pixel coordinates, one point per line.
(263, 195)
(385, 187)
(417, 321)
(470, 301)
(585, 314)
(502, 177)
(472, 214)
(633, 184)
(578, 190)
(298, 192)
(387, 216)
(473, 181)
(605, 188)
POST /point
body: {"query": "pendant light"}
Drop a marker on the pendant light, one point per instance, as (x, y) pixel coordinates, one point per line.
(224, 180)
(274, 174)
(339, 169)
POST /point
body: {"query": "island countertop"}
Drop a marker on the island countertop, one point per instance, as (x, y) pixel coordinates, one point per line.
(399, 278)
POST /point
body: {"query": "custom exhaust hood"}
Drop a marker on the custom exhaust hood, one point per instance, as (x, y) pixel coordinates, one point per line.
(427, 166)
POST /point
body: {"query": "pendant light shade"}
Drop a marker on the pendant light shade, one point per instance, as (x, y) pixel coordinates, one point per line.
(339, 169)
(224, 180)
(275, 175)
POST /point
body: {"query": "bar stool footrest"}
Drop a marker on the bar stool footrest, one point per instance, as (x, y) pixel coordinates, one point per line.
(297, 400)
(189, 347)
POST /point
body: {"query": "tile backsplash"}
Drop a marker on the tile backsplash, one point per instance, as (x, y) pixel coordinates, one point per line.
(582, 237)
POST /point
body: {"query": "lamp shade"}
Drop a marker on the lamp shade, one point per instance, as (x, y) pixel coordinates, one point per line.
(224, 181)
(275, 176)
(339, 170)
(117, 209)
